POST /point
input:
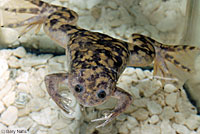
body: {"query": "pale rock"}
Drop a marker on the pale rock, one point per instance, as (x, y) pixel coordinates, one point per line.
(36, 60)
(35, 89)
(112, 4)
(125, 16)
(154, 119)
(13, 62)
(25, 122)
(90, 114)
(23, 87)
(193, 132)
(131, 122)
(54, 67)
(2, 107)
(180, 118)
(42, 132)
(141, 114)
(148, 8)
(61, 59)
(120, 118)
(166, 128)
(92, 3)
(3, 66)
(121, 30)
(181, 129)
(135, 130)
(141, 102)
(156, 16)
(193, 122)
(9, 98)
(125, 79)
(9, 116)
(8, 87)
(171, 99)
(23, 111)
(185, 107)
(87, 22)
(149, 87)
(23, 77)
(198, 130)
(116, 23)
(53, 131)
(34, 128)
(150, 129)
(5, 53)
(154, 107)
(170, 22)
(8, 35)
(140, 73)
(96, 13)
(22, 99)
(79, 3)
(169, 88)
(75, 125)
(43, 117)
(19, 52)
(129, 71)
(167, 113)
(61, 123)
(123, 128)
(135, 92)
(65, 131)
(37, 104)
(160, 98)
(148, 73)
(112, 15)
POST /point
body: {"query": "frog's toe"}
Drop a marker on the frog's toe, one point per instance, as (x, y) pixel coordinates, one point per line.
(107, 118)
(64, 103)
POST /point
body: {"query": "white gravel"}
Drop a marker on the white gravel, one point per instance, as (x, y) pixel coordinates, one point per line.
(156, 109)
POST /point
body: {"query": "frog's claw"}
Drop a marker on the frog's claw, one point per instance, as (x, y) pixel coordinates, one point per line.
(124, 100)
(106, 118)
(52, 83)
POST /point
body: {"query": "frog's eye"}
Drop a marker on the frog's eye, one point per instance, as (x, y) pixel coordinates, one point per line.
(78, 88)
(101, 94)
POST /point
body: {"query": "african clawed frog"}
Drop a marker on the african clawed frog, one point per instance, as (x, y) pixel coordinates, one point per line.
(97, 60)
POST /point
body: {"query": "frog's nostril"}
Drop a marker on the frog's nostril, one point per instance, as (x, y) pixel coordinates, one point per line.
(78, 88)
(101, 94)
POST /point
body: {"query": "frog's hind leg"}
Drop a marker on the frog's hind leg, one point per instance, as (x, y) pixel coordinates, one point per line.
(175, 64)
(172, 64)
(142, 52)
(22, 10)
(41, 13)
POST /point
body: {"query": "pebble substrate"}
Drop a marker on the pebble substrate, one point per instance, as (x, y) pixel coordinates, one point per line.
(156, 109)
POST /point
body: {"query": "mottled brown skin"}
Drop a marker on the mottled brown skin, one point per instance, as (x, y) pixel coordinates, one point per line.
(97, 60)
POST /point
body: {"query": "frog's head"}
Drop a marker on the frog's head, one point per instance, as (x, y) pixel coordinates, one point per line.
(91, 87)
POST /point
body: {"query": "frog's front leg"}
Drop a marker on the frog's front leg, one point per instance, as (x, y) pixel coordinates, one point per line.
(52, 82)
(124, 100)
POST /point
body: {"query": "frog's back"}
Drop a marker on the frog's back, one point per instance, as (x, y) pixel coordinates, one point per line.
(93, 50)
